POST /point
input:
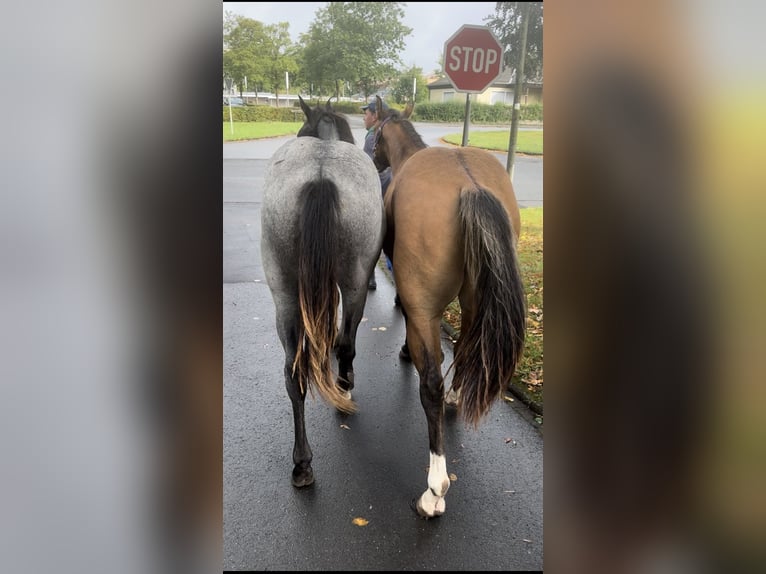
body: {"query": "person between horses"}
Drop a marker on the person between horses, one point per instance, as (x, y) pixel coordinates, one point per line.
(371, 124)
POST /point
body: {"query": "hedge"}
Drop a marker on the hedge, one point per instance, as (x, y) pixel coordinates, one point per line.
(448, 112)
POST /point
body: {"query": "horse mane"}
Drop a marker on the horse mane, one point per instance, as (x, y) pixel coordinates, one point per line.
(406, 125)
(325, 123)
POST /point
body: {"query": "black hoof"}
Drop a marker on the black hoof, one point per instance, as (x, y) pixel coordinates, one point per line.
(404, 353)
(345, 383)
(302, 477)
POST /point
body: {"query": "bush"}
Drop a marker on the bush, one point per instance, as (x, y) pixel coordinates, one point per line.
(447, 112)
(261, 114)
(454, 112)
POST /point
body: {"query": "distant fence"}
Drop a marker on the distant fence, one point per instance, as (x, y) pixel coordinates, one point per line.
(271, 99)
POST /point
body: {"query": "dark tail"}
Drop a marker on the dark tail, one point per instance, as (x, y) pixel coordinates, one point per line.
(318, 292)
(486, 354)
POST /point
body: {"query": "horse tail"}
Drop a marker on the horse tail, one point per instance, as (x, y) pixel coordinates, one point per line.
(487, 353)
(318, 292)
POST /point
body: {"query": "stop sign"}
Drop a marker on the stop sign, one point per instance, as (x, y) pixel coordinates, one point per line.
(472, 58)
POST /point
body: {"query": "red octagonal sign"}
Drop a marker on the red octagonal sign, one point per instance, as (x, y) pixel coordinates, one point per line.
(472, 58)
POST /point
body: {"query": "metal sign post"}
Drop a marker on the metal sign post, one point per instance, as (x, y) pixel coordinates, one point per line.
(229, 83)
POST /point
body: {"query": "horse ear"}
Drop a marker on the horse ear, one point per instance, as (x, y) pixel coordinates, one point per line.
(327, 105)
(378, 108)
(407, 112)
(304, 106)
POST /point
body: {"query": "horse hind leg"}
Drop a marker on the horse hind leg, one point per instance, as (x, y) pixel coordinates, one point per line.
(287, 327)
(467, 314)
(427, 356)
(345, 348)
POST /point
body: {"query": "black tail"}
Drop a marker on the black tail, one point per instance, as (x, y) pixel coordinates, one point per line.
(318, 291)
(487, 353)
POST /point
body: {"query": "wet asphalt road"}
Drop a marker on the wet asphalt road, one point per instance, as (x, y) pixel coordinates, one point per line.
(372, 468)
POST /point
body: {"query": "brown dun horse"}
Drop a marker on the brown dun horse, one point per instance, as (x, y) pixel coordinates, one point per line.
(452, 227)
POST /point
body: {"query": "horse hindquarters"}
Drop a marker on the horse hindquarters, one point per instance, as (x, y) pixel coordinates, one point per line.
(489, 348)
(307, 313)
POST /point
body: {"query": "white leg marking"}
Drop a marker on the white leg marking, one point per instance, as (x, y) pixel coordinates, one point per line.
(431, 502)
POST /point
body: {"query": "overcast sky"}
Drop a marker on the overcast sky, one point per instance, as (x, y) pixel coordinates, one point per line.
(432, 23)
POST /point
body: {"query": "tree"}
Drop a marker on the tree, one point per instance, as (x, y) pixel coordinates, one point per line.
(506, 24)
(402, 91)
(243, 40)
(355, 42)
(261, 53)
(278, 56)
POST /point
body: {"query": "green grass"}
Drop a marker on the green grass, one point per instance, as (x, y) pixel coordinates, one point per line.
(527, 382)
(259, 130)
(527, 141)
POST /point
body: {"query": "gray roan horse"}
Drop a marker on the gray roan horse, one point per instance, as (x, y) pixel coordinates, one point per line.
(322, 228)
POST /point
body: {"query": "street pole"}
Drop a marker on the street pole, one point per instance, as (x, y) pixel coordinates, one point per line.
(229, 83)
(466, 119)
(517, 91)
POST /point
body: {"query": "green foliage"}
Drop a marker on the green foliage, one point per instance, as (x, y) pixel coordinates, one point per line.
(449, 112)
(506, 24)
(355, 42)
(402, 91)
(262, 114)
(261, 53)
(454, 111)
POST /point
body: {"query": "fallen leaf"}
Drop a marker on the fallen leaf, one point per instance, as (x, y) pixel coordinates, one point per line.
(359, 521)
(453, 477)
(508, 440)
(507, 398)
(345, 427)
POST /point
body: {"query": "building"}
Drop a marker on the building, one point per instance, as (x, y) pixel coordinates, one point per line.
(500, 91)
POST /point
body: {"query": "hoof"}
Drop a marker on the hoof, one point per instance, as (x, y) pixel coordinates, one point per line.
(302, 477)
(404, 353)
(345, 384)
(415, 505)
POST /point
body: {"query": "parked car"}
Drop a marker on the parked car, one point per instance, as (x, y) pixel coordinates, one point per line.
(235, 102)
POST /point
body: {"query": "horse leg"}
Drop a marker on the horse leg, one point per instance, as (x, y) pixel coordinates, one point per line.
(467, 299)
(404, 352)
(427, 356)
(288, 319)
(345, 349)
